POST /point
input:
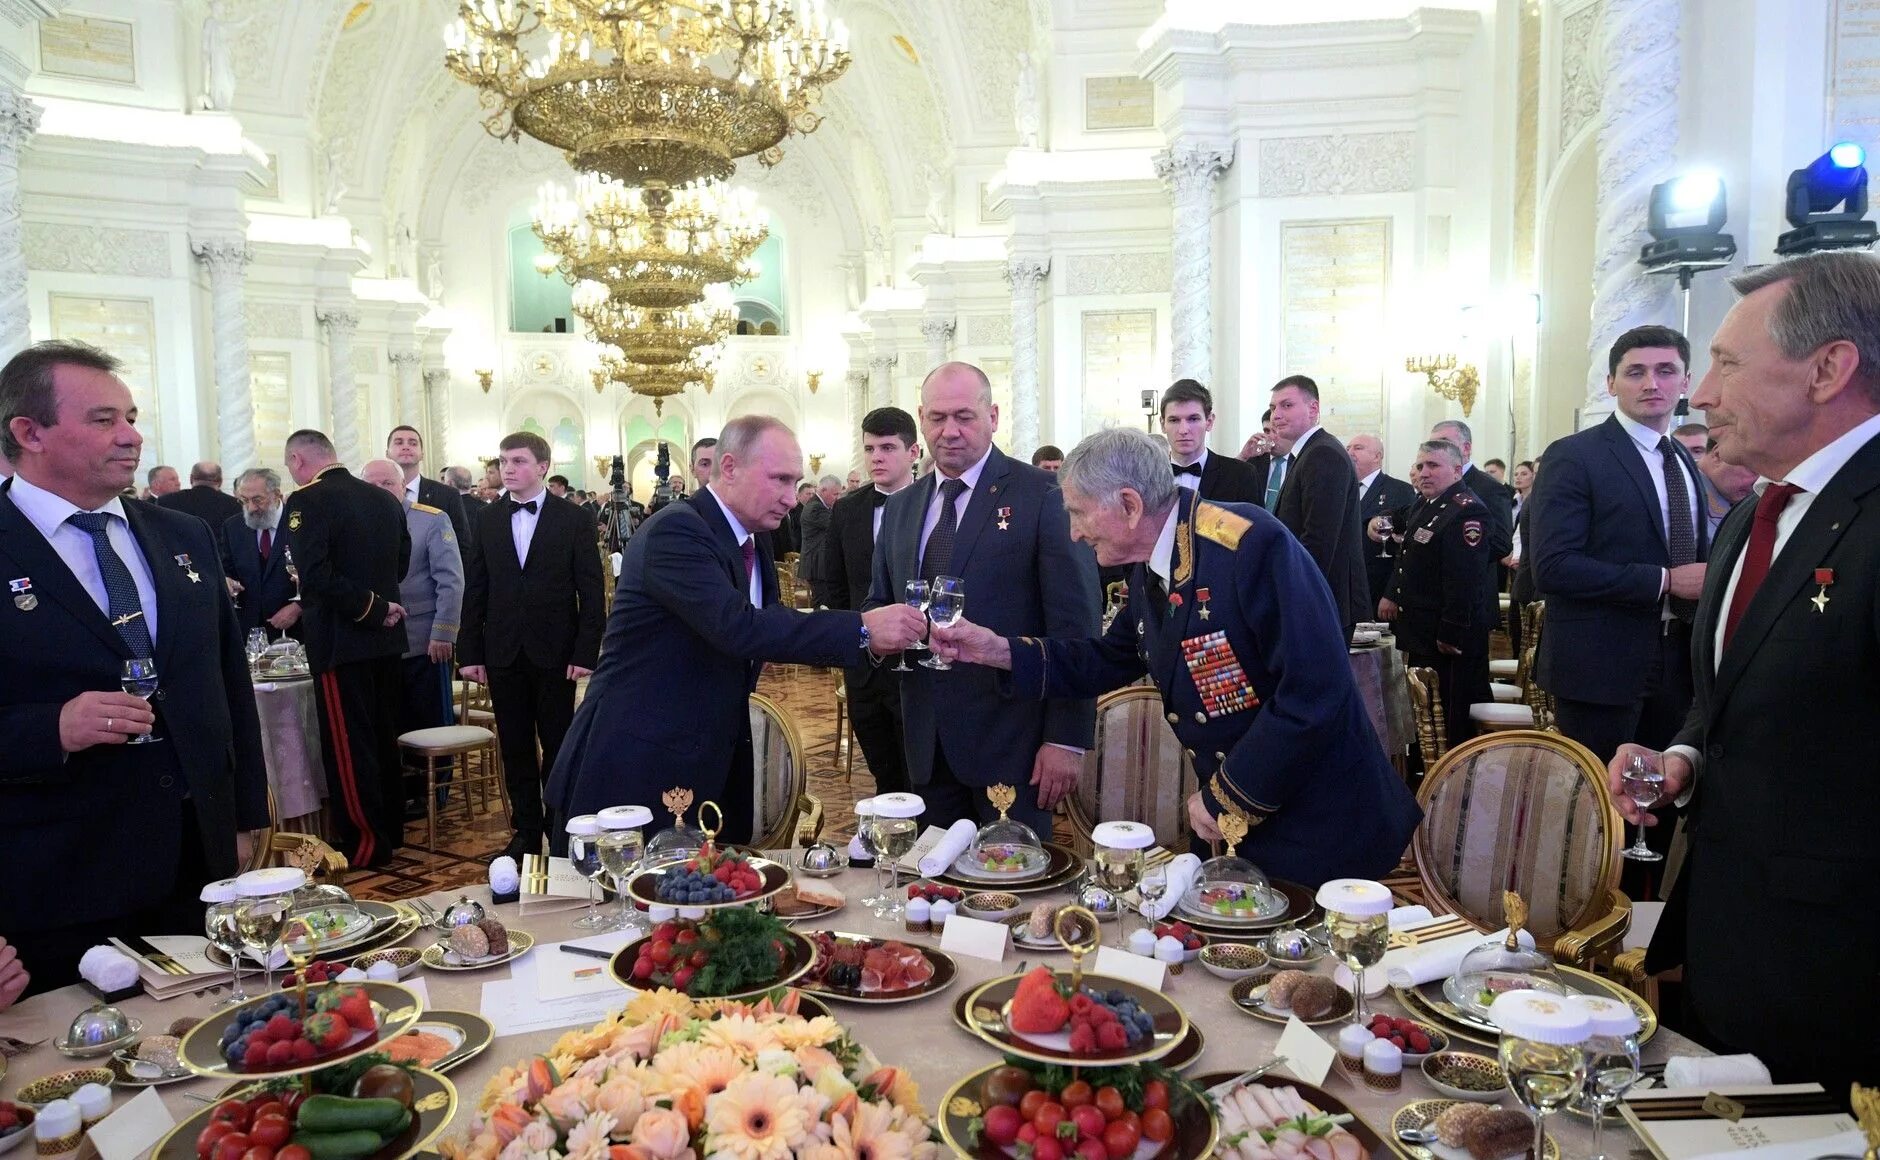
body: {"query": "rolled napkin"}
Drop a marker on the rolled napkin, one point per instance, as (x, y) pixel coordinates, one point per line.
(948, 849)
(504, 877)
(1709, 1071)
(1845, 1144)
(1181, 875)
(108, 969)
(1403, 916)
(1414, 966)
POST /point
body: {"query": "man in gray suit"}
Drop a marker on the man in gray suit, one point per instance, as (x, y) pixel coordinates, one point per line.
(432, 593)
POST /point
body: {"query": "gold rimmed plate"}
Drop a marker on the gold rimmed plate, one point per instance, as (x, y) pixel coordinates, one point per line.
(1249, 997)
(60, 1085)
(1419, 1113)
(989, 1006)
(1301, 910)
(1448, 1071)
(439, 956)
(1196, 1128)
(395, 1008)
(945, 971)
(441, 1040)
(1428, 1004)
(1060, 869)
(1184, 1055)
(643, 887)
(434, 1105)
(1318, 1097)
(1024, 939)
(799, 955)
(392, 923)
(132, 1072)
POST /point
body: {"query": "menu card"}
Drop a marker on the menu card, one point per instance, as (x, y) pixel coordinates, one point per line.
(1684, 1123)
(550, 884)
(923, 846)
(132, 1129)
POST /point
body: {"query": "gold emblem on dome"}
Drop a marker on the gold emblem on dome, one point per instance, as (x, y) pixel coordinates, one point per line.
(1866, 1103)
(1516, 911)
(1233, 829)
(305, 858)
(678, 799)
(1002, 797)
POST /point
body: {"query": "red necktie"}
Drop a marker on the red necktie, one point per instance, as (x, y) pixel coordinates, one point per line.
(267, 542)
(749, 548)
(1762, 547)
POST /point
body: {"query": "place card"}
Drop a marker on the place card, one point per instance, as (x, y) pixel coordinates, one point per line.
(975, 938)
(1139, 969)
(1308, 1057)
(416, 986)
(190, 950)
(923, 846)
(134, 1128)
(560, 975)
(550, 884)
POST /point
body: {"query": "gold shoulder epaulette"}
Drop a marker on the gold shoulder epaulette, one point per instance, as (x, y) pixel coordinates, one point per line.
(427, 509)
(1220, 525)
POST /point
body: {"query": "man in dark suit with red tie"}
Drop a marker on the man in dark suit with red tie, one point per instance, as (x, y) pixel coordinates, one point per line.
(1777, 757)
(254, 553)
(531, 623)
(890, 449)
(695, 618)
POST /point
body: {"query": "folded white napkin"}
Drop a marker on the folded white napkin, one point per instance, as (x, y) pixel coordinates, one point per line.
(1690, 1071)
(1414, 966)
(1403, 916)
(504, 877)
(948, 849)
(108, 969)
(1181, 875)
(1846, 1144)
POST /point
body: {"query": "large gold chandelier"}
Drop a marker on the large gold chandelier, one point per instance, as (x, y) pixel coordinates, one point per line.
(651, 92)
(656, 382)
(658, 337)
(653, 248)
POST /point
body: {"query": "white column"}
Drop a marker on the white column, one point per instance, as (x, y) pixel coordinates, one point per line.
(1638, 147)
(341, 385)
(857, 382)
(437, 390)
(1190, 170)
(881, 380)
(410, 400)
(1024, 274)
(939, 335)
(227, 259)
(19, 119)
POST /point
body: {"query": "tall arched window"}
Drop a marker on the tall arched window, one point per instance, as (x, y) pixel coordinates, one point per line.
(538, 302)
(760, 303)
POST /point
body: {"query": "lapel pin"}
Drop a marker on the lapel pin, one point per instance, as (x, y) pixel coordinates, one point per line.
(1005, 517)
(1823, 577)
(1174, 600)
(1201, 594)
(182, 561)
(23, 597)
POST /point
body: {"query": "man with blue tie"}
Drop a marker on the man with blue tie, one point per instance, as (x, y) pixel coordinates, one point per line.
(101, 837)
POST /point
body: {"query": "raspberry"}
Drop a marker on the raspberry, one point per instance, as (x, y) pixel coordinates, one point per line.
(1111, 1036)
(1419, 1042)
(1083, 1040)
(1398, 1041)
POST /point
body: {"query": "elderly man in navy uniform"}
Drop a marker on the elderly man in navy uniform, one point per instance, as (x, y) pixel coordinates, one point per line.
(1233, 620)
(1435, 597)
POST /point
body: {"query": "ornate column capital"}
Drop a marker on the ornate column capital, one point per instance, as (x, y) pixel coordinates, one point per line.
(857, 379)
(882, 363)
(1189, 167)
(437, 379)
(338, 319)
(19, 120)
(405, 359)
(1026, 271)
(937, 330)
(223, 255)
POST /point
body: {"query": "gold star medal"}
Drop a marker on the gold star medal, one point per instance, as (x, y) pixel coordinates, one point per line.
(1201, 594)
(182, 561)
(1823, 577)
(1005, 518)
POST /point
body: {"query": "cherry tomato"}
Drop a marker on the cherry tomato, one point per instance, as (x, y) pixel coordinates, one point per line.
(1109, 1101)
(1031, 1101)
(1002, 1123)
(1075, 1094)
(1155, 1094)
(1089, 1121)
(259, 1152)
(206, 1139)
(233, 1111)
(271, 1131)
(1091, 1149)
(1046, 1148)
(1120, 1140)
(293, 1152)
(1048, 1116)
(1157, 1126)
(231, 1146)
(1132, 1119)
(291, 1101)
(273, 1107)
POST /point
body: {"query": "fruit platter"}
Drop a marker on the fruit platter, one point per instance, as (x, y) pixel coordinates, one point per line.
(731, 953)
(1067, 1017)
(368, 1109)
(16, 1124)
(860, 969)
(715, 876)
(1273, 1117)
(291, 1032)
(1180, 1059)
(1024, 1109)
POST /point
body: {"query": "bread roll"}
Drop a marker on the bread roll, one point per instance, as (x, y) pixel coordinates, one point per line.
(469, 941)
(1501, 1133)
(496, 935)
(1314, 997)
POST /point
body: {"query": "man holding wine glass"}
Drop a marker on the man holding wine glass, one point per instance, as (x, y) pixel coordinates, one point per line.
(97, 581)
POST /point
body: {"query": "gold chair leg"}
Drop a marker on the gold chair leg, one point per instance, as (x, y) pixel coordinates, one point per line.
(430, 802)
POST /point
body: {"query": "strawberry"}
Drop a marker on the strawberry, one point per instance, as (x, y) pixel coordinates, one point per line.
(1037, 1007)
(328, 1030)
(356, 1006)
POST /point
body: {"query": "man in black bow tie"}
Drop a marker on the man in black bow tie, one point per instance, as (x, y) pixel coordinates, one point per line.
(1187, 417)
(532, 622)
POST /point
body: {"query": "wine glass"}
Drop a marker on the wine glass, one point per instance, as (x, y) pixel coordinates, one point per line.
(218, 923)
(946, 603)
(1384, 529)
(1357, 925)
(1541, 1052)
(1150, 888)
(260, 923)
(256, 646)
(139, 679)
(1612, 1064)
(914, 595)
(865, 834)
(896, 826)
(1118, 872)
(584, 851)
(619, 854)
(1644, 785)
(293, 571)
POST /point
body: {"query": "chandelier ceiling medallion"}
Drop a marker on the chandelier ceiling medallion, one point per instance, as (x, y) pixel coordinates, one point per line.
(653, 248)
(657, 337)
(656, 93)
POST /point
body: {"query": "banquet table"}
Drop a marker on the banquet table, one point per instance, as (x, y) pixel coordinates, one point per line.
(1379, 670)
(919, 1036)
(290, 744)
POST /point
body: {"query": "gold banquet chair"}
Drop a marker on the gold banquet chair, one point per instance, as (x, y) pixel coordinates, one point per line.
(1526, 811)
(1426, 706)
(307, 852)
(1136, 771)
(784, 810)
(471, 749)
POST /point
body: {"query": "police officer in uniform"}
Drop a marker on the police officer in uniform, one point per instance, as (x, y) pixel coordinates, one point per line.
(1233, 621)
(1435, 596)
(350, 547)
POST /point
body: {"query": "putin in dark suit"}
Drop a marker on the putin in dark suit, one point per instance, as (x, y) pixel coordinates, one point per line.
(1619, 536)
(696, 616)
(1378, 492)
(254, 553)
(998, 525)
(102, 838)
(531, 623)
(203, 498)
(1318, 497)
(1778, 754)
(1187, 418)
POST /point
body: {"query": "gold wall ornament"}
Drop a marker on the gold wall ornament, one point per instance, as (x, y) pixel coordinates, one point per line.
(812, 380)
(654, 247)
(815, 462)
(483, 380)
(1457, 384)
(649, 92)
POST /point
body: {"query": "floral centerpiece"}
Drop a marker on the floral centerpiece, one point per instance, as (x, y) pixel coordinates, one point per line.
(671, 1078)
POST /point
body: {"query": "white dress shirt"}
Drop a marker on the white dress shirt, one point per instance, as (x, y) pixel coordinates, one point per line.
(1646, 440)
(522, 523)
(1364, 485)
(1162, 556)
(879, 508)
(1193, 482)
(971, 478)
(49, 513)
(755, 585)
(411, 490)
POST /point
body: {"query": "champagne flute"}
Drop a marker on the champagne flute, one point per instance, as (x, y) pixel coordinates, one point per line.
(260, 923)
(1541, 1053)
(1612, 1064)
(946, 603)
(915, 596)
(1357, 924)
(1644, 785)
(139, 679)
(293, 572)
(224, 934)
(584, 851)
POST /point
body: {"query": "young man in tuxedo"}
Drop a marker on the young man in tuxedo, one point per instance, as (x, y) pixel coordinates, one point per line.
(890, 448)
(532, 623)
(1187, 418)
